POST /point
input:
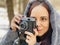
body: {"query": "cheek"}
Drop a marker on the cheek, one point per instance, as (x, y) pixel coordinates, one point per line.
(46, 25)
(45, 28)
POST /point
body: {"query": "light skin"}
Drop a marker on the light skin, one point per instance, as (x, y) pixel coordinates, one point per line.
(42, 20)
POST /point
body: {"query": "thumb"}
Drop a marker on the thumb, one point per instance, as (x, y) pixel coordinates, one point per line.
(36, 32)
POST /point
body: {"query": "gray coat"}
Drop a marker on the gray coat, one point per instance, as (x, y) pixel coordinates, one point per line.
(10, 37)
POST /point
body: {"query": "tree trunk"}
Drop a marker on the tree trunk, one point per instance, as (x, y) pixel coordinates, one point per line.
(10, 9)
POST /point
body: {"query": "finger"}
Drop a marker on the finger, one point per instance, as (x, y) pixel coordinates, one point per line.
(19, 15)
(13, 27)
(36, 32)
(17, 18)
(27, 40)
(28, 33)
(28, 37)
(16, 26)
(16, 21)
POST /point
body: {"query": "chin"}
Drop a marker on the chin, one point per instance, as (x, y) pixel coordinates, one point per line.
(40, 35)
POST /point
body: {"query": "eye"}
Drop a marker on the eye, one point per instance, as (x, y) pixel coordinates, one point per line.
(43, 18)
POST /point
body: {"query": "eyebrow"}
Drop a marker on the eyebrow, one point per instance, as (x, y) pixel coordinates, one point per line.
(44, 16)
(33, 17)
(40, 17)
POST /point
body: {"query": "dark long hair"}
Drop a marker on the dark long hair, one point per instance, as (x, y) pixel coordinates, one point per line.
(46, 38)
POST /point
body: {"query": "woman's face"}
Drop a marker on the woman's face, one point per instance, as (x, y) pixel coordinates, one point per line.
(42, 19)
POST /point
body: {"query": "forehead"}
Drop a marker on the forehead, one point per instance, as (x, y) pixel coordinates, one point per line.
(39, 11)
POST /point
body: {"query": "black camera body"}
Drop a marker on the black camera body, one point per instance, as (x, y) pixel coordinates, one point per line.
(27, 24)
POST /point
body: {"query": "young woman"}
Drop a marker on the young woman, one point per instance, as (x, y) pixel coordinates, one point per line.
(40, 10)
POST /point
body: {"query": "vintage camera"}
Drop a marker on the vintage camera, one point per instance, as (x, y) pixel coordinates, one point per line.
(26, 24)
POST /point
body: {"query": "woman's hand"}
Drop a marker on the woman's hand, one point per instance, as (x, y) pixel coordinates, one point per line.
(31, 38)
(16, 19)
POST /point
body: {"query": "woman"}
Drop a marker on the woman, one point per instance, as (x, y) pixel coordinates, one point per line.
(41, 11)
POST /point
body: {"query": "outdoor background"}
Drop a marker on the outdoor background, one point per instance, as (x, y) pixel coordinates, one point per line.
(18, 6)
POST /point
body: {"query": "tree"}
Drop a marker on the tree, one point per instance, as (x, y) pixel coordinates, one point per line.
(10, 10)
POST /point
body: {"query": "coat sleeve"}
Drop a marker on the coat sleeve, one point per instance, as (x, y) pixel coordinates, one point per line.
(9, 38)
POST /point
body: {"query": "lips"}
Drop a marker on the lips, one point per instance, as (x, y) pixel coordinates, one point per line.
(38, 30)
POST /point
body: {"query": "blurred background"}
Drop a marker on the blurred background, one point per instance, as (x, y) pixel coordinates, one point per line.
(9, 8)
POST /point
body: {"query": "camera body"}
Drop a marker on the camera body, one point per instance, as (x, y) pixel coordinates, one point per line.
(27, 24)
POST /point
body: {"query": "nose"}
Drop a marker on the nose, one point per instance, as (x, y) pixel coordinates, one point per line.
(38, 23)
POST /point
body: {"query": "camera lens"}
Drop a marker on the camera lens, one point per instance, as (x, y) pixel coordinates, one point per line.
(24, 25)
